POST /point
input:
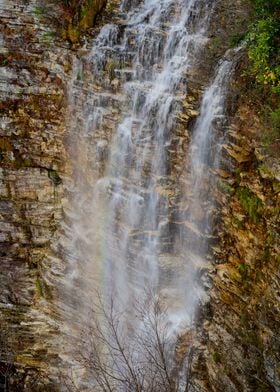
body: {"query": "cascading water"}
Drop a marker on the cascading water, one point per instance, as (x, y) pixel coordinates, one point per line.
(131, 226)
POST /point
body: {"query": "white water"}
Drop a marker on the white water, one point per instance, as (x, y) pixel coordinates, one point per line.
(130, 227)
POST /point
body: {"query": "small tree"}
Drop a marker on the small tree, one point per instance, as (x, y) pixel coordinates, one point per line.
(137, 355)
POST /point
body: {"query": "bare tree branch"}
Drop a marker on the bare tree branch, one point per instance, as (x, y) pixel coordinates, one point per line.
(133, 356)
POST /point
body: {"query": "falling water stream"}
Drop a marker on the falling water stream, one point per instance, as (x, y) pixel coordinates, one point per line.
(132, 227)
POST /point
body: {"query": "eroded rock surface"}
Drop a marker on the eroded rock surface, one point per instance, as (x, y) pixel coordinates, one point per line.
(33, 69)
(238, 344)
(240, 334)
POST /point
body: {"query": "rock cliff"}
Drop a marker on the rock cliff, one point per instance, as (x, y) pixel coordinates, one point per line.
(243, 327)
(237, 347)
(34, 69)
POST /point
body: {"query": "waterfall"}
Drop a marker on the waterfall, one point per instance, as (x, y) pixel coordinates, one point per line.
(132, 227)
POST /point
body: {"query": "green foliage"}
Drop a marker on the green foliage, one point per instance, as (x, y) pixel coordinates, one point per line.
(250, 203)
(266, 6)
(264, 48)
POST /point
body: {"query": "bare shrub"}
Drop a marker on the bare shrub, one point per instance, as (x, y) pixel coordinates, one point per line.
(142, 354)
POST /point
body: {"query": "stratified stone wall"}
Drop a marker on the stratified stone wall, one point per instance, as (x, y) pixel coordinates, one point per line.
(238, 347)
(33, 67)
(243, 334)
(239, 336)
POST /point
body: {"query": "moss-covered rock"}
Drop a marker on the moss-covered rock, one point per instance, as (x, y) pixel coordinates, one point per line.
(78, 16)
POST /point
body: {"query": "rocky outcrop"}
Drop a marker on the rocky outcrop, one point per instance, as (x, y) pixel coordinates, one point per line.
(244, 331)
(34, 69)
(238, 348)
(240, 332)
(72, 18)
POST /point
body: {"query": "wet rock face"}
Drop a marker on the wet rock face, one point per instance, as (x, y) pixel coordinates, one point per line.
(239, 349)
(72, 18)
(245, 299)
(32, 158)
(35, 64)
(242, 334)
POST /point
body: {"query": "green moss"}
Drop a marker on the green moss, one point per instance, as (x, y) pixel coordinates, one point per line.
(54, 177)
(78, 16)
(80, 75)
(39, 12)
(236, 39)
(215, 44)
(39, 287)
(236, 222)
(47, 37)
(73, 33)
(27, 162)
(4, 62)
(252, 338)
(110, 68)
(264, 170)
(276, 186)
(20, 162)
(224, 186)
(275, 120)
(250, 203)
(216, 357)
(111, 6)
(268, 138)
(244, 320)
(84, 12)
(266, 254)
(243, 270)
(262, 388)
(42, 289)
(227, 371)
(270, 237)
